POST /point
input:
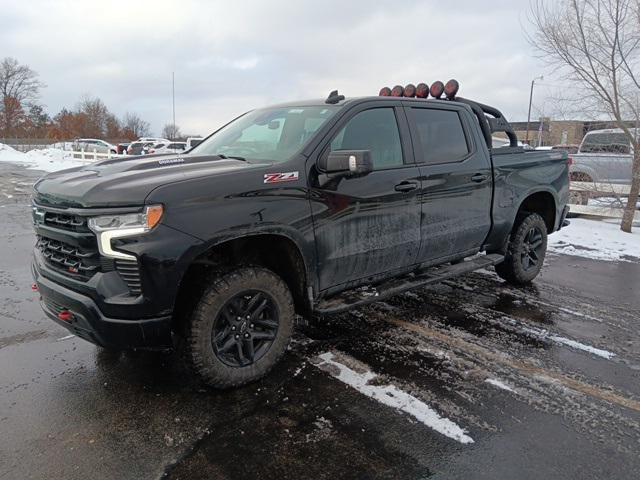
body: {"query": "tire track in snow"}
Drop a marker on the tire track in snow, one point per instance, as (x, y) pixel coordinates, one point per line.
(524, 367)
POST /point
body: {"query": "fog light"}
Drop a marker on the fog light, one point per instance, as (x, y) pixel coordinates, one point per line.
(65, 315)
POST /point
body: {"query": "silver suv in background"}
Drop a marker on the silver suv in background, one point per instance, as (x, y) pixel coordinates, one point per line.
(605, 156)
(168, 147)
(93, 144)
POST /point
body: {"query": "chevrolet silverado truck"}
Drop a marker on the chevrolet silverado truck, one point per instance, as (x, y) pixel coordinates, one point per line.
(290, 210)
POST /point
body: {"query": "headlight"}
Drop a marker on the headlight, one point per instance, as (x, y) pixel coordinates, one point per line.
(109, 227)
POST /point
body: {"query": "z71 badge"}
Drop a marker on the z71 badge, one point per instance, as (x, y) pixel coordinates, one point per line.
(280, 177)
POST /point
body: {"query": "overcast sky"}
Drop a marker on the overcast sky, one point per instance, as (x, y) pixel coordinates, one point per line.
(229, 57)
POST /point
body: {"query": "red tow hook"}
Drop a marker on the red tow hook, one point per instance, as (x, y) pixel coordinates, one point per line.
(65, 315)
(34, 287)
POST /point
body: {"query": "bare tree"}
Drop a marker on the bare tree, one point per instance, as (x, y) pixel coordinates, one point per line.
(171, 131)
(96, 116)
(19, 88)
(595, 45)
(19, 81)
(134, 127)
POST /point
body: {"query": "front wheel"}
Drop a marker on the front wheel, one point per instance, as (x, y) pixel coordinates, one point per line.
(240, 327)
(526, 251)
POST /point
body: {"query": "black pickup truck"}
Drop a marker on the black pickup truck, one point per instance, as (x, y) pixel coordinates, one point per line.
(290, 210)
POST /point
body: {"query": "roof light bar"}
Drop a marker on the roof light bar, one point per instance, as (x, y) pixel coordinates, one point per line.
(410, 90)
(422, 90)
(397, 91)
(437, 89)
(451, 89)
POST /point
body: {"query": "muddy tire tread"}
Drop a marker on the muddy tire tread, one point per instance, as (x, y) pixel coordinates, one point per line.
(201, 361)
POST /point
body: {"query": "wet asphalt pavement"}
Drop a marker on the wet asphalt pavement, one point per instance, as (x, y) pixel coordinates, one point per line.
(543, 380)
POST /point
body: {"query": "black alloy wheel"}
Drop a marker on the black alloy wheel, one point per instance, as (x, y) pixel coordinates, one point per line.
(526, 250)
(245, 328)
(533, 249)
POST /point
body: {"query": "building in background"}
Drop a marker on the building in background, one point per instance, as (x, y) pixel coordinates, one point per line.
(559, 132)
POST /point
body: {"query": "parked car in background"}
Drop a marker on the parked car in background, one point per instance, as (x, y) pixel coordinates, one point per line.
(121, 148)
(570, 149)
(603, 156)
(93, 144)
(500, 142)
(153, 139)
(171, 147)
(193, 141)
(140, 148)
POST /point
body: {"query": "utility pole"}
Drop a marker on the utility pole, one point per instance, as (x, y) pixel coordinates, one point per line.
(173, 99)
(533, 82)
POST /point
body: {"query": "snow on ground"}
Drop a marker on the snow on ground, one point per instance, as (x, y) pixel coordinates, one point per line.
(367, 383)
(48, 159)
(500, 384)
(597, 239)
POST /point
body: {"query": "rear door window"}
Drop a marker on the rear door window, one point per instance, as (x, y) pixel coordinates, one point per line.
(441, 136)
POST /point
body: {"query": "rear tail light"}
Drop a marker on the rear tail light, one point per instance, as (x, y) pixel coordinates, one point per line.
(397, 91)
(34, 287)
(570, 161)
(385, 92)
(65, 315)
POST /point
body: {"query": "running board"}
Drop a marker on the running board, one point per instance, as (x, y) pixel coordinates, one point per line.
(361, 296)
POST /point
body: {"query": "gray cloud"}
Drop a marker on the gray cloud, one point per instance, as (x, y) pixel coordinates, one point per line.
(229, 57)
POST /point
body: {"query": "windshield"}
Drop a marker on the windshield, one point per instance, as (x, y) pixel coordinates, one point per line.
(271, 134)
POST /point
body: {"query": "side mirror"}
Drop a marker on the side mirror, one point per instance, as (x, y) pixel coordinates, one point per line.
(346, 162)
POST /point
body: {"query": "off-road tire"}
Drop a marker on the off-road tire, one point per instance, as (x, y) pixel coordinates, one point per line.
(512, 269)
(198, 349)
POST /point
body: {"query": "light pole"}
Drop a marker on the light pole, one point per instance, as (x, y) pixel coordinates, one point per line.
(173, 101)
(533, 82)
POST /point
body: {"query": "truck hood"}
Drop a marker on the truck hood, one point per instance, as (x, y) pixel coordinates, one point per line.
(120, 183)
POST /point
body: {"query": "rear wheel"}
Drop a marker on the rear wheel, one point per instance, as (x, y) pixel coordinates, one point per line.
(526, 251)
(240, 327)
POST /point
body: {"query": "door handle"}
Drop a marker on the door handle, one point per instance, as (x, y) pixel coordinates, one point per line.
(406, 186)
(479, 177)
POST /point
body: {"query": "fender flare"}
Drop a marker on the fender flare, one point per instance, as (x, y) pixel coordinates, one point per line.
(305, 248)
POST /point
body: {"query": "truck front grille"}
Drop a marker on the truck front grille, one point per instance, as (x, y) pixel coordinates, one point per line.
(68, 258)
(69, 247)
(65, 221)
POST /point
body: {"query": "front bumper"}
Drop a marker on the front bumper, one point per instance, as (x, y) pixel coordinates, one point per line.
(87, 321)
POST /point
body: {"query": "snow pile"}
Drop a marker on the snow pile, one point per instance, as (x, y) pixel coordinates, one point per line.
(48, 159)
(599, 240)
(8, 154)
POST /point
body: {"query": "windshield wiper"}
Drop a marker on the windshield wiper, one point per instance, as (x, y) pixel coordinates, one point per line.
(224, 157)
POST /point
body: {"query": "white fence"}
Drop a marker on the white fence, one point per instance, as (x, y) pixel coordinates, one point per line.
(599, 199)
(92, 156)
